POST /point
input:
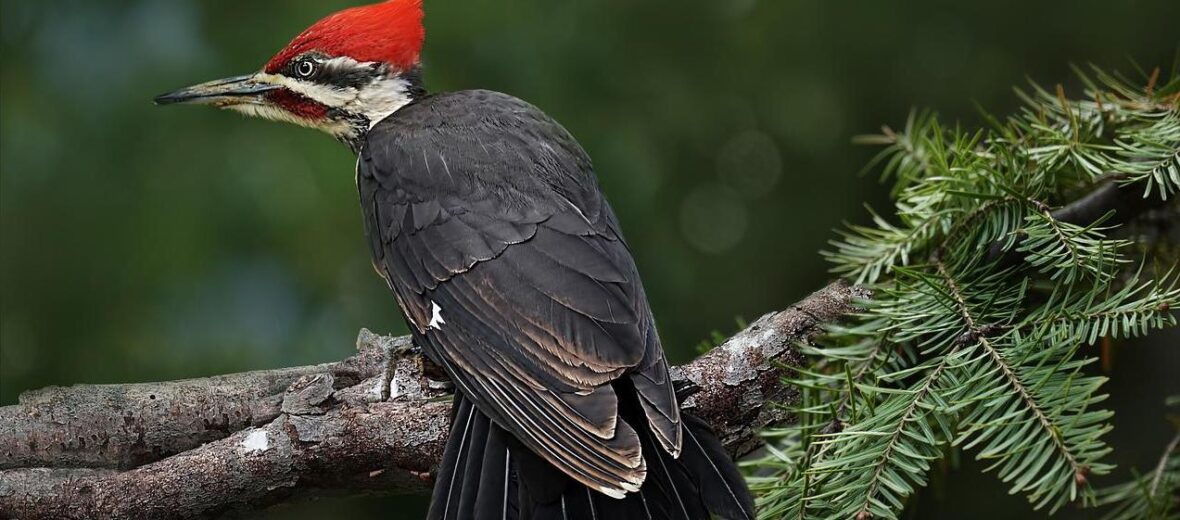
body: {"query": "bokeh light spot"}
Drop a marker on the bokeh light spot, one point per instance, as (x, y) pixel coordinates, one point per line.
(713, 218)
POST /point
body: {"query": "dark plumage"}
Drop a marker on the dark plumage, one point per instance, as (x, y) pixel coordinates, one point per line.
(484, 216)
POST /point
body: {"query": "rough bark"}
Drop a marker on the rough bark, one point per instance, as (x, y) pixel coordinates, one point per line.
(371, 423)
(124, 426)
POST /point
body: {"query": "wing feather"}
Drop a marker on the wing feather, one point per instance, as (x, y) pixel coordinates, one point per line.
(484, 217)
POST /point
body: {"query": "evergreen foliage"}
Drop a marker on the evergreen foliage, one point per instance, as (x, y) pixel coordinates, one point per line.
(985, 301)
(1151, 496)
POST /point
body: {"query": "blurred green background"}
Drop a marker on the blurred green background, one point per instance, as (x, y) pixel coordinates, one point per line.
(141, 244)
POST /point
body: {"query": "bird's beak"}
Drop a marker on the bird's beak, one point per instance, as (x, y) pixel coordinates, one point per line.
(237, 90)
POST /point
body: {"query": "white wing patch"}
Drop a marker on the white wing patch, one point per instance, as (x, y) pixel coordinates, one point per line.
(436, 319)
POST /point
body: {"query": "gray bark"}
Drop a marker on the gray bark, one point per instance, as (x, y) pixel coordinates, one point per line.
(374, 422)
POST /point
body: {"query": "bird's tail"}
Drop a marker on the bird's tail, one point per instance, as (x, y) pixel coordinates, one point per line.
(476, 478)
(485, 474)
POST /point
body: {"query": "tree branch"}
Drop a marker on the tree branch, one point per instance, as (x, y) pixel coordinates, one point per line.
(1125, 201)
(371, 423)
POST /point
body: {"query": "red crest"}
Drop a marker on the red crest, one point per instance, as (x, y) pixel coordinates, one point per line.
(389, 32)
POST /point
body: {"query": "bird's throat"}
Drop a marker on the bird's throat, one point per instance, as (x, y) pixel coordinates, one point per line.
(373, 103)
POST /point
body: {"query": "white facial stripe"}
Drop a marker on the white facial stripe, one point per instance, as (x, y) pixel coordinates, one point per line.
(344, 63)
(381, 98)
(375, 101)
(274, 113)
(327, 95)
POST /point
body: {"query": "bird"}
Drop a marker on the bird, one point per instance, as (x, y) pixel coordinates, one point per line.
(485, 218)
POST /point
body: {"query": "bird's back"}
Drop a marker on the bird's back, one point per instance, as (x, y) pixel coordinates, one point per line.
(485, 217)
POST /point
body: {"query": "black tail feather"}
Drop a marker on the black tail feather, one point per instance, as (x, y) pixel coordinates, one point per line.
(487, 475)
(496, 498)
(449, 482)
(723, 490)
(472, 460)
(474, 480)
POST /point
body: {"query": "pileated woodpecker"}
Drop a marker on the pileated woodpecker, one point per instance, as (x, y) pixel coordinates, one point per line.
(485, 218)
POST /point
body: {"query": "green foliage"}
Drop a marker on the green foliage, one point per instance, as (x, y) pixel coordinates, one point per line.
(984, 296)
(1151, 496)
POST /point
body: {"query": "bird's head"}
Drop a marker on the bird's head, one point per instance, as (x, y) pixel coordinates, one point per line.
(341, 75)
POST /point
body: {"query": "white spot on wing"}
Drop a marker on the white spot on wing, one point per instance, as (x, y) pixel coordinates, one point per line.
(256, 441)
(436, 319)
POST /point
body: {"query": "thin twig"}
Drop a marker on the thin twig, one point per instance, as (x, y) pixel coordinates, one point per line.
(1162, 464)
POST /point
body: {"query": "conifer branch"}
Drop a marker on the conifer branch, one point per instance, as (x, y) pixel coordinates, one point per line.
(1154, 496)
(979, 335)
(881, 462)
(1158, 474)
(978, 347)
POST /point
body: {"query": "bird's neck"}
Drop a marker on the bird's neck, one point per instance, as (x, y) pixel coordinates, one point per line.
(374, 103)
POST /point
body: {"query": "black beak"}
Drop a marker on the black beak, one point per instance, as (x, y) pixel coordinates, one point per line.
(223, 92)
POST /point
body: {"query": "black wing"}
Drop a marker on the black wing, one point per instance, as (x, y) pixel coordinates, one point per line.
(485, 218)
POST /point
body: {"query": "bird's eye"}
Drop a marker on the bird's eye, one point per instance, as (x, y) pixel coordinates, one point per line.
(305, 69)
